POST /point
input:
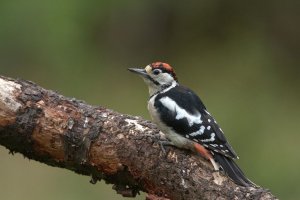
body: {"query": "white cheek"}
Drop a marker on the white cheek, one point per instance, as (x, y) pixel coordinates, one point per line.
(165, 78)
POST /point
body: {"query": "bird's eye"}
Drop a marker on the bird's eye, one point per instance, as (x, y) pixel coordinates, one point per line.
(156, 71)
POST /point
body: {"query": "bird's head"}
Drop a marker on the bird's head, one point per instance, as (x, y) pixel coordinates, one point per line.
(157, 76)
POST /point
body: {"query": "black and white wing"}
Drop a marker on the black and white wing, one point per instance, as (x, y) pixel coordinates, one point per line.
(183, 111)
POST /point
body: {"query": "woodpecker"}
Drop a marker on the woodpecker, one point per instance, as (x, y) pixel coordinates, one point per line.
(183, 118)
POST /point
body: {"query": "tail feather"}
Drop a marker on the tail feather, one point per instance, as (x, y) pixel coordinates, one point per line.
(233, 170)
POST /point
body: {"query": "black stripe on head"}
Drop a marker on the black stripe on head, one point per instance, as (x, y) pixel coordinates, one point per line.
(153, 81)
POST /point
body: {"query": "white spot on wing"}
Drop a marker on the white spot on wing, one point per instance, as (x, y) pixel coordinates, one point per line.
(211, 139)
(195, 133)
(199, 132)
(202, 128)
(208, 128)
(180, 112)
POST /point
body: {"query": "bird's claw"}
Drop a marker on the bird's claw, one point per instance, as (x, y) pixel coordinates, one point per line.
(163, 143)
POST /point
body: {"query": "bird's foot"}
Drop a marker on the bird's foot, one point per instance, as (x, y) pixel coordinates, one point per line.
(164, 143)
(157, 138)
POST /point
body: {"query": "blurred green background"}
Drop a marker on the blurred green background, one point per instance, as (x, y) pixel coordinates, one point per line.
(241, 57)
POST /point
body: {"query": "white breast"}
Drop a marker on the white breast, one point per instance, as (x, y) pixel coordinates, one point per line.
(153, 112)
(176, 139)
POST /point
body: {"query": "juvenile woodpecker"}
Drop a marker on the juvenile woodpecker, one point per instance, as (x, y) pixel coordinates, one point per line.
(182, 117)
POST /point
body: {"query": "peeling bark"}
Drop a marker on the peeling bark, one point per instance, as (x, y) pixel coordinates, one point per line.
(95, 141)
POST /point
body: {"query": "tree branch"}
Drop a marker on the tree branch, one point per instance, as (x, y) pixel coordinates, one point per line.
(103, 144)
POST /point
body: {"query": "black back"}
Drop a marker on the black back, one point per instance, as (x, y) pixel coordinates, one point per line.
(188, 100)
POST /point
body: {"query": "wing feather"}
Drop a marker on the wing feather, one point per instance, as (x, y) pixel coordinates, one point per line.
(183, 111)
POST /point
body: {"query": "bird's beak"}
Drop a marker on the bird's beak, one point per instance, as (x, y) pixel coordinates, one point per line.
(141, 72)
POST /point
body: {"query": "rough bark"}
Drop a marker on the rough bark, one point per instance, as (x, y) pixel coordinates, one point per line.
(98, 142)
